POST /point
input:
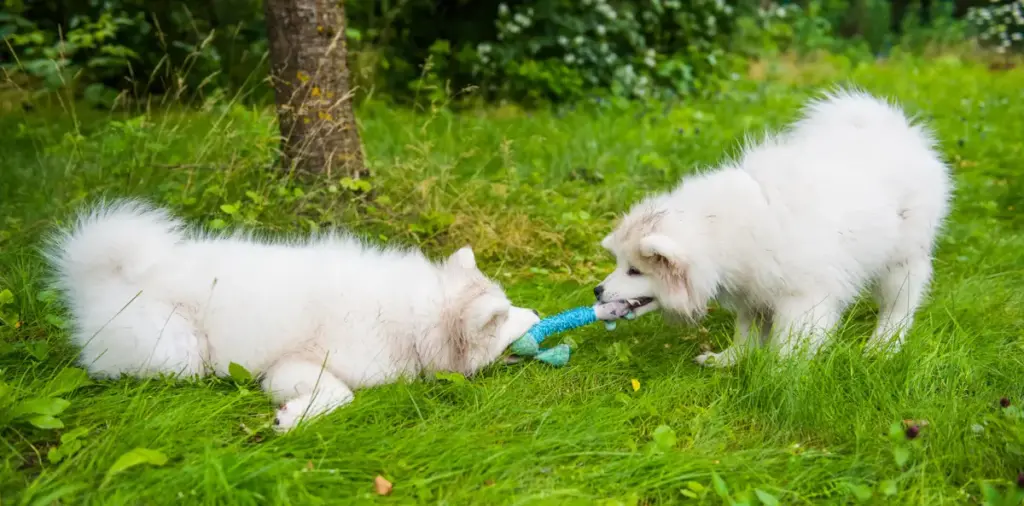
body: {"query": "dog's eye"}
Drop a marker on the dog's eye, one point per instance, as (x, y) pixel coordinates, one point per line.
(633, 271)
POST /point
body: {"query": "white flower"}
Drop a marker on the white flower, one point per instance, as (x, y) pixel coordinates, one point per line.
(483, 48)
(563, 41)
(578, 40)
(521, 19)
(513, 28)
(570, 59)
(502, 9)
(600, 30)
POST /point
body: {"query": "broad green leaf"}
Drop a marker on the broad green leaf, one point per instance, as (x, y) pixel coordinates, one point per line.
(719, 484)
(900, 454)
(67, 380)
(896, 432)
(73, 434)
(40, 406)
(452, 377)
(888, 488)
(991, 495)
(136, 457)
(766, 498)
(665, 437)
(861, 492)
(239, 373)
(46, 422)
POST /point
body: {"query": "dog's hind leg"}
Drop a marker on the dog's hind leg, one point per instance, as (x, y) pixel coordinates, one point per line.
(747, 335)
(802, 324)
(899, 292)
(305, 389)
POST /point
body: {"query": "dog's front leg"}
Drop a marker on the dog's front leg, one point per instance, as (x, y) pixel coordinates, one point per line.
(802, 325)
(305, 390)
(741, 341)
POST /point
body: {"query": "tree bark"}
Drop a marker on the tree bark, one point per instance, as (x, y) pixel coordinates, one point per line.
(311, 86)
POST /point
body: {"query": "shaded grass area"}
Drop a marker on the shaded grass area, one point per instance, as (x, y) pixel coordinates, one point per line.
(533, 192)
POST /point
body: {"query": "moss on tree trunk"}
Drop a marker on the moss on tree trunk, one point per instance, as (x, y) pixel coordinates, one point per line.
(311, 85)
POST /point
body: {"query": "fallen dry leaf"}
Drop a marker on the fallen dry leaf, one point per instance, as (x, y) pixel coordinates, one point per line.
(382, 485)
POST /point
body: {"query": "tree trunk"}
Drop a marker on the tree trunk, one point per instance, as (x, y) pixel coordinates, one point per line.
(311, 85)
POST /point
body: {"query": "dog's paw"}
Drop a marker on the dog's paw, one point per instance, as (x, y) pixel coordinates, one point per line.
(880, 348)
(291, 413)
(712, 359)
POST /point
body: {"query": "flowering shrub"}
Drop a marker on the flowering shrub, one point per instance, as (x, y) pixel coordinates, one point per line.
(1000, 24)
(560, 49)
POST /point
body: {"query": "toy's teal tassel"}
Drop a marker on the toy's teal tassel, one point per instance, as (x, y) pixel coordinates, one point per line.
(557, 356)
(525, 346)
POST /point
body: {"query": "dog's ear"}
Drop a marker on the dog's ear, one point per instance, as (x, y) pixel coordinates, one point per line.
(669, 264)
(663, 252)
(463, 259)
(606, 243)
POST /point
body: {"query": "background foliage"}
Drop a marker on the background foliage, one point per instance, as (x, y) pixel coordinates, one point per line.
(528, 51)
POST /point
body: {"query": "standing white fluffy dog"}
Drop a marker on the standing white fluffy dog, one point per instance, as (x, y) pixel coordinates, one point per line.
(790, 233)
(317, 319)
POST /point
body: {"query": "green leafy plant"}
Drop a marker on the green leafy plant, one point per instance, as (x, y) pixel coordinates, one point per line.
(88, 47)
(639, 49)
(40, 409)
(999, 24)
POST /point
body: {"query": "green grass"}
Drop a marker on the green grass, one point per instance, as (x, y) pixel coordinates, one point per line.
(533, 192)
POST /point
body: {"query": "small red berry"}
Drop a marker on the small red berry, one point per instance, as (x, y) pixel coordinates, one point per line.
(1020, 479)
(913, 431)
(1004, 402)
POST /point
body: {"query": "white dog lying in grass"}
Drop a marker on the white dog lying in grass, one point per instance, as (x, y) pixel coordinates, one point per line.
(790, 233)
(317, 319)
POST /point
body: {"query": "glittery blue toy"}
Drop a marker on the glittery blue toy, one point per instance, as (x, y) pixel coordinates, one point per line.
(529, 344)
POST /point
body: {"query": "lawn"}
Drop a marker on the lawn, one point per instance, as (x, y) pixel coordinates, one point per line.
(631, 420)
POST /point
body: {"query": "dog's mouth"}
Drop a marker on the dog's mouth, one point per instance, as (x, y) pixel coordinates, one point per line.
(639, 302)
(641, 306)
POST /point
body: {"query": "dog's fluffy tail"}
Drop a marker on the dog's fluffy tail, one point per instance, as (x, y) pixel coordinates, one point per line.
(118, 241)
(852, 109)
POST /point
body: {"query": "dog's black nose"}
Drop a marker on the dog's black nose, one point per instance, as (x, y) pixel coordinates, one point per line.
(598, 290)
